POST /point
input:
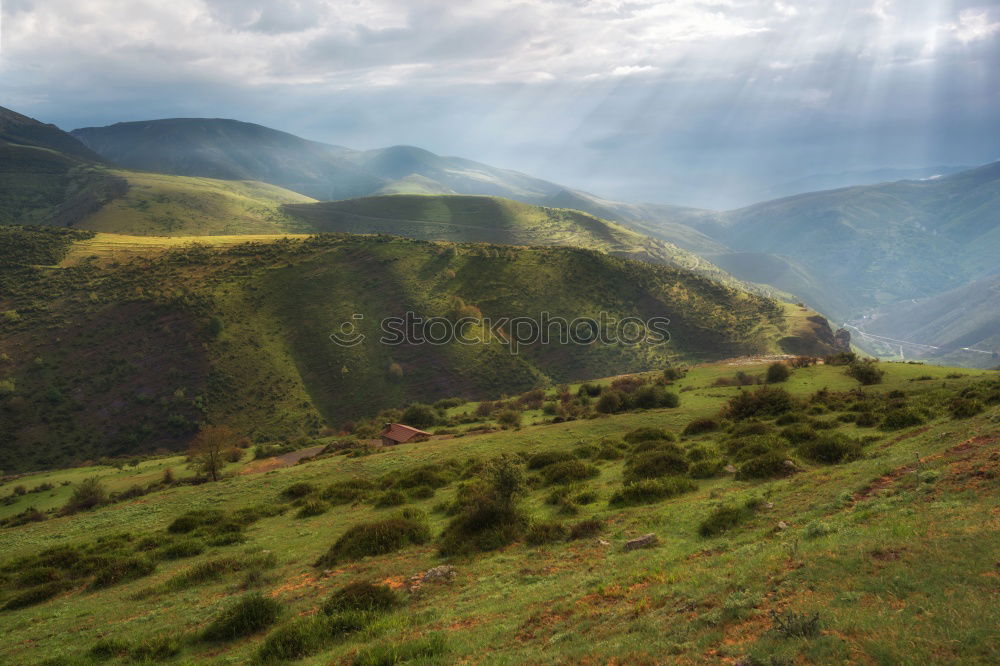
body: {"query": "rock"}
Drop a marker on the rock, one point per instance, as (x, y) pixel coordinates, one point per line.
(782, 525)
(645, 541)
(440, 574)
(730, 469)
(603, 542)
(790, 464)
(768, 505)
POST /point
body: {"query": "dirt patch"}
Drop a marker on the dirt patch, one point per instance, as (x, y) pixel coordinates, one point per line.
(886, 554)
(284, 460)
(882, 482)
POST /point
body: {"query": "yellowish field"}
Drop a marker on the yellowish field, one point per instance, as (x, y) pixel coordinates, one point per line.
(107, 246)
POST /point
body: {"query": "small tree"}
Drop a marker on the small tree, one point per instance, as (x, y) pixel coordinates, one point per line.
(778, 372)
(419, 415)
(88, 493)
(210, 448)
(867, 372)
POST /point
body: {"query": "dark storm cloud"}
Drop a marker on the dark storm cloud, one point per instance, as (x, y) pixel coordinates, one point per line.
(690, 101)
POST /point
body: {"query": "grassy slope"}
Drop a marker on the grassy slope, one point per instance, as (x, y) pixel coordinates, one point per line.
(902, 570)
(491, 220)
(157, 204)
(239, 334)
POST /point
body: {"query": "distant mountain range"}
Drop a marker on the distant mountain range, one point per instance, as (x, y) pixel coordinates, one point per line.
(846, 252)
(833, 181)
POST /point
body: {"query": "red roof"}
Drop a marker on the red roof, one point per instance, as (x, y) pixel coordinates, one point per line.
(398, 432)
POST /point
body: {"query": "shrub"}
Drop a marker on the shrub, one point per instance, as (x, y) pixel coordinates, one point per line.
(567, 471)
(777, 373)
(546, 458)
(645, 434)
(419, 415)
(610, 449)
(509, 418)
(361, 596)
(654, 464)
(156, 648)
(745, 448)
(297, 639)
(184, 548)
(38, 576)
(610, 402)
(87, 494)
(699, 426)
(297, 490)
(796, 625)
(120, 570)
(763, 402)
(651, 397)
(377, 538)
(345, 492)
(706, 469)
(901, 417)
(723, 518)
(866, 420)
(585, 528)
(768, 465)
(867, 372)
(546, 532)
(35, 595)
(831, 449)
(841, 358)
(963, 408)
(672, 374)
(647, 491)
(249, 615)
(390, 498)
(421, 492)
(489, 515)
(312, 508)
(192, 520)
(796, 434)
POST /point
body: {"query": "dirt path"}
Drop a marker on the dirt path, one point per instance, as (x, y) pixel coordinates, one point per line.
(284, 460)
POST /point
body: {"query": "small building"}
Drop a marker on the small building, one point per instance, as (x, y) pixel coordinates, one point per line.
(397, 433)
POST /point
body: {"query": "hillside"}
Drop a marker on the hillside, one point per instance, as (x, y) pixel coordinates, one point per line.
(240, 334)
(483, 219)
(876, 547)
(220, 148)
(943, 326)
(17, 129)
(874, 245)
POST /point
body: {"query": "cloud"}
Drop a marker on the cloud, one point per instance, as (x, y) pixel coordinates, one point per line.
(618, 96)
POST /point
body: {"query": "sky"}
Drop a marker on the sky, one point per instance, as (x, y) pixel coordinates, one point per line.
(690, 102)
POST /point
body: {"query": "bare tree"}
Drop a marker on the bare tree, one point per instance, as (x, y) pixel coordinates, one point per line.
(210, 448)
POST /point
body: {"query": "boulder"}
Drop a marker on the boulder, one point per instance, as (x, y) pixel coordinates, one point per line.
(645, 541)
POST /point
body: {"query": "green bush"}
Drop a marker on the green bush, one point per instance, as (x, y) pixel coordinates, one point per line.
(249, 615)
(38, 576)
(155, 648)
(546, 458)
(745, 448)
(723, 518)
(391, 498)
(419, 415)
(312, 508)
(377, 538)
(901, 417)
(652, 397)
(706, 469)
(654, 464)
(363, 596)
(610, 449)
(648, 491)
(610, 402)
(830, 449)
(699, 426)
(35, 595)
(87, 494)
(766, 466)
(297, 639)
(546, 532)
(798, 433)
(122, 569)
(297, 490)
(867, 372)
(777, 373)
(192, 520)
(866, 420)
(109, 648)
(764, 402)
(644, 434)
(568, 471)
(963, 408)
(184, 548)
(346, 492)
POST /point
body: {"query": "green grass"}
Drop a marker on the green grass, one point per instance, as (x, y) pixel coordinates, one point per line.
(893, 553)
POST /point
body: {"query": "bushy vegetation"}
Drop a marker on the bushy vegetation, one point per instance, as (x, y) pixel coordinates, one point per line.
(647, 491)
(766, 401)
(249, 615)
(867, 372)
(378, 538)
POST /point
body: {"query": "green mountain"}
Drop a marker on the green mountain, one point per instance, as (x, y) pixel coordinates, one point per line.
(869, 246)
(958, 327)
(230, 149)
(485, 219)
(240, 334)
